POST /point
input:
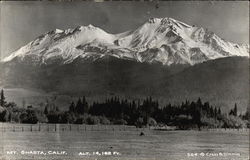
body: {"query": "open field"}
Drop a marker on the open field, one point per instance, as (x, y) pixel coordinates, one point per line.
(124, 144)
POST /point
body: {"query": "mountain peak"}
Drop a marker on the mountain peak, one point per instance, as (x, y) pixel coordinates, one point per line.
(90, 26)
(167, 21)
(153, 20)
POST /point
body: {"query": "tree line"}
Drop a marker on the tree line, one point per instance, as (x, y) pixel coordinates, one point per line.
(116, 110)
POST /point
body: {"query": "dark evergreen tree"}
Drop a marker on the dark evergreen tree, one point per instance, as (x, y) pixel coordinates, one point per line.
(4, 116)
(219, 111)
(79, 106)
(10, 117)
(72, 107)
(215, 112)
(235, 111)
(211, 112)
(199, 103)
(2, 99)
(57, 109)
(85, 105)
(46, 110)
(206, 109)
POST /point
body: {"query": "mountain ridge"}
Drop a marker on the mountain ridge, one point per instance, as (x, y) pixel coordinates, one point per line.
(162, 40)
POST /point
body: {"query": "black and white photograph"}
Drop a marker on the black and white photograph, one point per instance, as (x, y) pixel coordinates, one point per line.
(124, 80)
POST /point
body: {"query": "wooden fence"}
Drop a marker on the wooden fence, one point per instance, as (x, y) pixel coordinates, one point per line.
(17, 127)
(44, 127)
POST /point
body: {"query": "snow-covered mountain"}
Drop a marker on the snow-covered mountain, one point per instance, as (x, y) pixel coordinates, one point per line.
(163, 40)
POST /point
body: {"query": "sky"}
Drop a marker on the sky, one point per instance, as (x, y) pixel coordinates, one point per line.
(21, 22)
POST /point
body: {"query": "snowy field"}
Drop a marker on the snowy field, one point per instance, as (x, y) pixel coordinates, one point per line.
(125, 145)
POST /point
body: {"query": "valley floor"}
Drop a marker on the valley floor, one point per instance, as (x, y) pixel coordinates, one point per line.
(124, 144)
